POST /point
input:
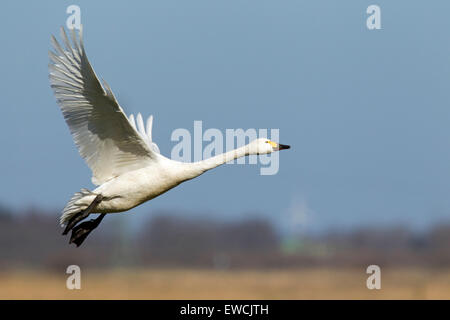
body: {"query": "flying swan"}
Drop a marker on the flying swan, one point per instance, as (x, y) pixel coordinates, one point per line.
(126, 164)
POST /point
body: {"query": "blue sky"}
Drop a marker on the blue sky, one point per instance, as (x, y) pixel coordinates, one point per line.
(366, 112)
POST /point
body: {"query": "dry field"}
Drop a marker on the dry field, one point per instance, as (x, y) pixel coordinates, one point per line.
(209, 284)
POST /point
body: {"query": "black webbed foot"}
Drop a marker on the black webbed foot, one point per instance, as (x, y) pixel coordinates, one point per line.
(81, 231)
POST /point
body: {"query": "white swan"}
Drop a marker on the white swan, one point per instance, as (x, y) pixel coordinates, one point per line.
(125, 162)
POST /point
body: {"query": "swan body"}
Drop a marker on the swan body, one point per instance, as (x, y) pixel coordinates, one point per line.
(126, 164)
(135, 187)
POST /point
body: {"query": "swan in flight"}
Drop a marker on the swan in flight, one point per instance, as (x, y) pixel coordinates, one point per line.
(126, 164)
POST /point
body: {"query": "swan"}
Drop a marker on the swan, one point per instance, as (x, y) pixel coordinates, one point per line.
(126, 164)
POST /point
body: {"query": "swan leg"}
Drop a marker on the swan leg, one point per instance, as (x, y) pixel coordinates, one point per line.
(81, 231)
(82, 214)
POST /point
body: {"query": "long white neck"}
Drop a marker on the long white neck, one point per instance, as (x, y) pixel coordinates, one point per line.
(223, 158)
(195, 169)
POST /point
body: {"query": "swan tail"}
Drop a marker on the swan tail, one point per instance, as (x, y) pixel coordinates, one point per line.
(80, 201)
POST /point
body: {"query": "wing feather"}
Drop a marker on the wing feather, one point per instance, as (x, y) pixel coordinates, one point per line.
(149, 127)
(145, 131)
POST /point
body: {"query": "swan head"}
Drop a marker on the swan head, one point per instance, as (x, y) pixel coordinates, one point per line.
(265, 146)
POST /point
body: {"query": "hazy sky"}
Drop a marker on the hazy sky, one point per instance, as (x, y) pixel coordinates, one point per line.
(367, 112)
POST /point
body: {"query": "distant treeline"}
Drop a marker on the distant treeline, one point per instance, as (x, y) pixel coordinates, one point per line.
(33, 240)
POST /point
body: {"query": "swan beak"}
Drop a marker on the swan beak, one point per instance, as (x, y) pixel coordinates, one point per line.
(283, 146)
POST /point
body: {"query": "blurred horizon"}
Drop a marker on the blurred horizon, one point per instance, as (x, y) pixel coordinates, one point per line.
(174, 256)
(172, 239)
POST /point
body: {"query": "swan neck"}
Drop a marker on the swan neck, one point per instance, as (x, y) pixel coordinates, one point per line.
(223, 158)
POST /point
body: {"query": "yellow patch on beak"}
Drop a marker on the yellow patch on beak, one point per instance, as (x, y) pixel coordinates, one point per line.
(273, 144)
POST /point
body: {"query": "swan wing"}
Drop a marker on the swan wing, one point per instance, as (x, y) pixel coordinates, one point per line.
(105, 138)
(145, 132)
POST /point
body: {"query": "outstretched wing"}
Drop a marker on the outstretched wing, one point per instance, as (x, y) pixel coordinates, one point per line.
(105, 138)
